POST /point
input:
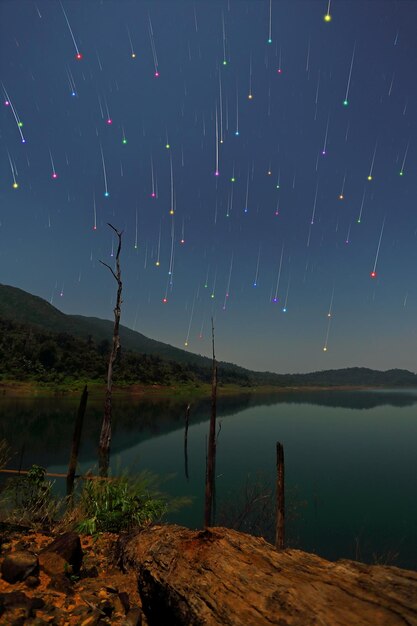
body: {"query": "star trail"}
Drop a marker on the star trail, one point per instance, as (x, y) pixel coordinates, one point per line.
(259, 157)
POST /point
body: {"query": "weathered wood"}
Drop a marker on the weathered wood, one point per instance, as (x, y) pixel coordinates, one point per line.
(221, 577)
(76, 439)
(211, 451)
(57, 474)
(280, 496)
(22, 451)
(187, 417)
(105, 434)
(20, 471)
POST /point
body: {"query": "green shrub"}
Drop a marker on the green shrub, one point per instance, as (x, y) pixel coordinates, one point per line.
(118, 504)
(27, 499)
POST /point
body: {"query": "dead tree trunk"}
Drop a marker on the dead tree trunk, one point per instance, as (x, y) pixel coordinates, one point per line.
(211, 452)
(105, 435)
(280, 521)
(76, 438)
(187, 417)
(22, 451)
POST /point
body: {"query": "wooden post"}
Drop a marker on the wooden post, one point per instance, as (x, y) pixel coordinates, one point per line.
(211, 449)
(76, 438)
(187, 416)
(280, 495)
(22, 451)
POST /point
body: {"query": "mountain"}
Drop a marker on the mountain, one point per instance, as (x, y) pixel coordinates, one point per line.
(22, 307)
(25, 309)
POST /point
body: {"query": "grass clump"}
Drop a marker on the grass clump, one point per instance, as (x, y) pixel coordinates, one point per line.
(118, 504)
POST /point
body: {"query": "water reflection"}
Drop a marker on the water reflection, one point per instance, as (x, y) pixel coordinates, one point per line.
(350, 455)
(44, 425)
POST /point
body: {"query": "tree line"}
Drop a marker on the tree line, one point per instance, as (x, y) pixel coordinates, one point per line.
(28, 353)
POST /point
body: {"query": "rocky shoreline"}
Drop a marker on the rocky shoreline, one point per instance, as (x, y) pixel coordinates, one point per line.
(69, 580)
(168, 575)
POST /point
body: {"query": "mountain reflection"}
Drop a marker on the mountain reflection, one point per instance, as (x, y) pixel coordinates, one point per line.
(44, 425)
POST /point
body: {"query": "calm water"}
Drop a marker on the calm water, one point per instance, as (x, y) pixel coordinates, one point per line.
(351, 462)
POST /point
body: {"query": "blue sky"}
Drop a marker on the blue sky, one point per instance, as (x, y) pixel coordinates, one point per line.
(102, 123)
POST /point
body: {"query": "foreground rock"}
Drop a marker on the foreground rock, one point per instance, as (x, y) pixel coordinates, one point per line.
(222, 577)
(19, 566)
(68, 548)
(64, 581)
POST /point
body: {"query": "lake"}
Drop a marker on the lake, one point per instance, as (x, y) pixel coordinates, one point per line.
(350, 459)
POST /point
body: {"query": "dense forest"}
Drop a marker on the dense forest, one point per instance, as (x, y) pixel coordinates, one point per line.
(40, 343)
(30, 353)
(27, 353)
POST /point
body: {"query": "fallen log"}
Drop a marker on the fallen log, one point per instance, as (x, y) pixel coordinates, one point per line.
(223, 577)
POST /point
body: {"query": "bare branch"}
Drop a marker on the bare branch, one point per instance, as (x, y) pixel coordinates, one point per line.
(112, 271)
(119, 233)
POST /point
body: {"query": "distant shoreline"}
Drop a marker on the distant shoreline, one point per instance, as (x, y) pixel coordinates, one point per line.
(11, 388)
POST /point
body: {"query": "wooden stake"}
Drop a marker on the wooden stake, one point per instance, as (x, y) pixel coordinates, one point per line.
(76, 438)
(280, 507)
(187, 416)
(21, 456)
(211, 451)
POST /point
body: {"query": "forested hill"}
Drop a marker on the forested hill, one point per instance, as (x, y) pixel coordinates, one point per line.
(24, 308)
(39, 341)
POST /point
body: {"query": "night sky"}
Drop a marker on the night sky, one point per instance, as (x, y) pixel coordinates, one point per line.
(259, 158)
